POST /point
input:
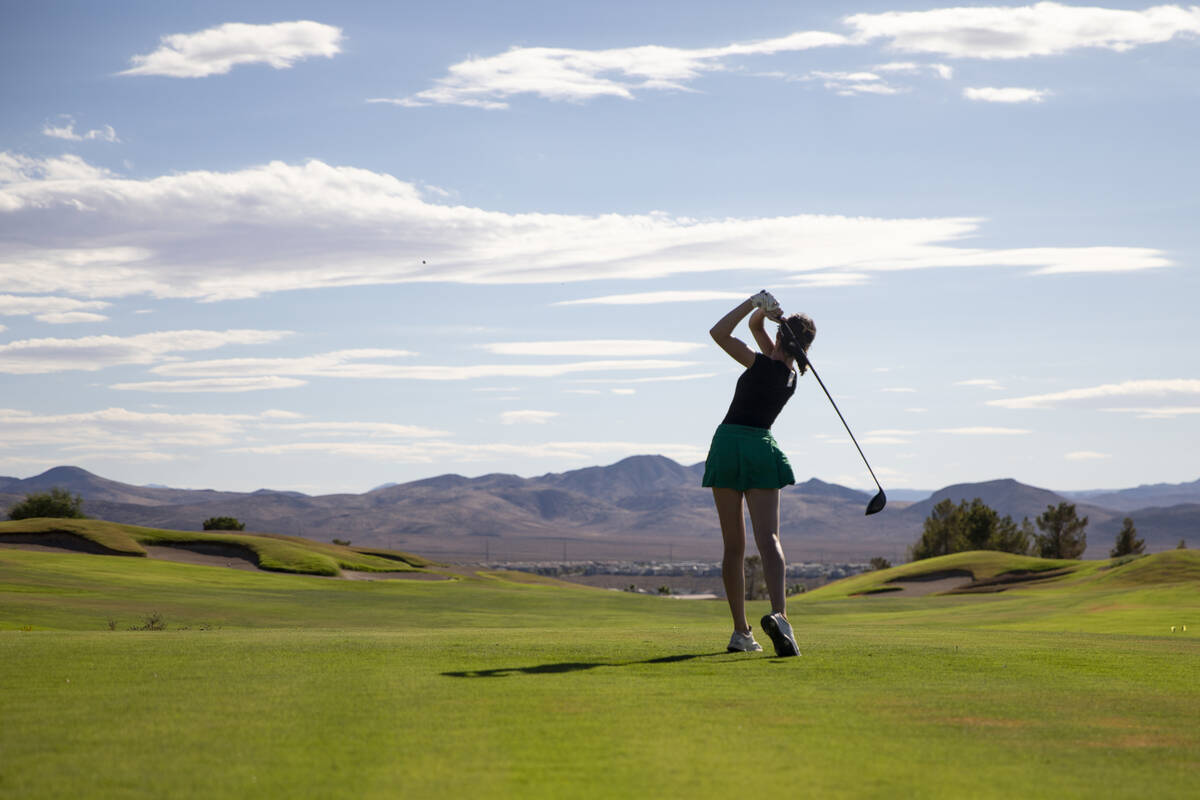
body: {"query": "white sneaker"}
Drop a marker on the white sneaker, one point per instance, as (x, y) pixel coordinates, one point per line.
(743, 643)
(780, 631)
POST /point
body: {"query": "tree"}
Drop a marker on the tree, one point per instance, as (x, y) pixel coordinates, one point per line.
(1182, 545)
(969, 526)
(1063, 534)
(940, 535)
(55, 503)
(879, 562)
(1127, 542)
(223, 524)
(756, 580)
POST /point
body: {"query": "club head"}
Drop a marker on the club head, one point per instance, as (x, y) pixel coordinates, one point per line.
(877, 503)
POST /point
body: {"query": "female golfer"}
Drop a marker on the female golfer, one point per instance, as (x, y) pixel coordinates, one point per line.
(745, 462)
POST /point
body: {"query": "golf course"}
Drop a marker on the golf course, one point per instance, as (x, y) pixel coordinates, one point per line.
(321, 671)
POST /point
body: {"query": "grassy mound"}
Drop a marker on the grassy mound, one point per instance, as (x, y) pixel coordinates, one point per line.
(975, 565)
(269, 551)
(989, 571)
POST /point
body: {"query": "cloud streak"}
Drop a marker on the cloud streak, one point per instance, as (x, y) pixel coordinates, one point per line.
(1011, 94)
(1138, 388)
(276, 227)
(55, 310)
(215, 51)
(91, 353)
(1043, 29)
(67, 132)
(563, 74)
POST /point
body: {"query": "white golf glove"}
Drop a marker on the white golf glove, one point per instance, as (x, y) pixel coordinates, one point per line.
(766, 301)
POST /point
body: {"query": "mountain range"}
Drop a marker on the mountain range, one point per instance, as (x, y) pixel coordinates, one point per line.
(642, 507)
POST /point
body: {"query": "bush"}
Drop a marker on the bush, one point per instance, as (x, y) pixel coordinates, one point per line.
(54, 503)
(223, 524)
(879, 562)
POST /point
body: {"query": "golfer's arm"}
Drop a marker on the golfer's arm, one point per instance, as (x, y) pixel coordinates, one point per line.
(765, 343)
(722, 334)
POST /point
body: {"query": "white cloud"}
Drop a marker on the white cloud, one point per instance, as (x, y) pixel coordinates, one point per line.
(215, 51)
(67, 132)
(1157, 412)
(527, 416)
(1043, 29)
(828, 280)
(593, 347)
(853, 83)
(372, 430)
(224, 385)
(654, 379)
(564, 74)
(943, 71)
(36, 356)
(1086, 455)
(982, 430)
(1011, 94)
(1136, 388)
(216, 236)
(52, 309)
(654, 298)
(346, 364)
(985, 383)
(899, 389)
(442, 451)
(118, 430)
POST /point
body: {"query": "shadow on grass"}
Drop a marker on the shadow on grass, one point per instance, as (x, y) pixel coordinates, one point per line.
(573, 666)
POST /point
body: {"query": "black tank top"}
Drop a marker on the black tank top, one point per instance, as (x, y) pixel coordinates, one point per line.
(762, 391)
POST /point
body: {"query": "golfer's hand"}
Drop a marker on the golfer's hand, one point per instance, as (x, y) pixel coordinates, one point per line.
(766, 301)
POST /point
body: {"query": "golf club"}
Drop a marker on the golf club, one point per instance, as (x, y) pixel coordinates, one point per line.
(878, 501)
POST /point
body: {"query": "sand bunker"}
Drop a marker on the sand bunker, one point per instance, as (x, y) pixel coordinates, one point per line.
(208, 554)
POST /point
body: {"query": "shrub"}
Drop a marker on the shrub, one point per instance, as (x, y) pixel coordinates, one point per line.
(54, 503)
(879, 562)
(223, 524)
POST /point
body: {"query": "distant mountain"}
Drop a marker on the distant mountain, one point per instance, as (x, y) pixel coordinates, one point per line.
(642, 507)
(1144, 496)
(1160, 528)
(93, 487)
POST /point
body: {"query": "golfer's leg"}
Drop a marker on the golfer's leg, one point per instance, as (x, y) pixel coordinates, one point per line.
(764, 516)
(733, 534)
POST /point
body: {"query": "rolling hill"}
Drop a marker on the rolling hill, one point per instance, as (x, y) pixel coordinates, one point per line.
(642, 507)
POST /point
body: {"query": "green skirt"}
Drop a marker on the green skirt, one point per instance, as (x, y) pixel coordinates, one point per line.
(742, 457)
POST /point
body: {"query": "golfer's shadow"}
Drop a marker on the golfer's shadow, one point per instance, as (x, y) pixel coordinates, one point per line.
(572, 666)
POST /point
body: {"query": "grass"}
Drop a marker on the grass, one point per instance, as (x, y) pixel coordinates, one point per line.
(269, 551)
(297, 686)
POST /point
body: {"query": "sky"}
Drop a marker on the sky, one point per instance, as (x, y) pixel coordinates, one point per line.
(326, 246)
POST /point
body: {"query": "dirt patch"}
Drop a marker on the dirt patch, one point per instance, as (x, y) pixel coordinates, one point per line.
(920, 585)
(923, 587)
(366, 575)
(59, 540)
(209, 554)
(1007, 580)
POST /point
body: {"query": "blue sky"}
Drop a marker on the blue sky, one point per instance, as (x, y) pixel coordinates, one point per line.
(322, 246)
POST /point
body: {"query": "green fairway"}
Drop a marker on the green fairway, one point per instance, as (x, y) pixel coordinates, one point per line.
(280, 685)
